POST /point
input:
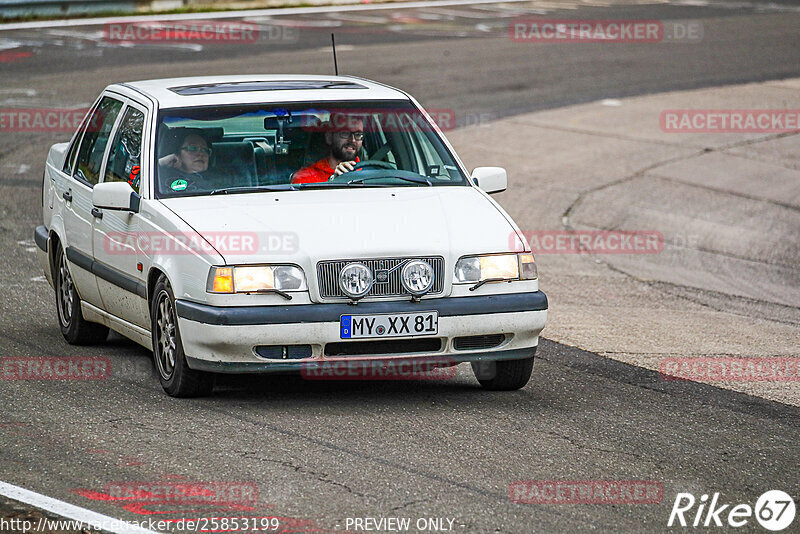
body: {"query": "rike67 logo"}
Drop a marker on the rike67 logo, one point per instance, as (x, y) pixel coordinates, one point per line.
(774, 510)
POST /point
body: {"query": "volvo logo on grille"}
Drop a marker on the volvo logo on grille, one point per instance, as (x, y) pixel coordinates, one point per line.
(381, 276)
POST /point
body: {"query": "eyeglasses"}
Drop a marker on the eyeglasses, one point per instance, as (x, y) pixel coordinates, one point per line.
(195, 148)
(358, 136)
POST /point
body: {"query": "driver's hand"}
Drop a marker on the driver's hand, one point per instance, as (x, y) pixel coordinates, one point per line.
(170, 160)
(343, 167)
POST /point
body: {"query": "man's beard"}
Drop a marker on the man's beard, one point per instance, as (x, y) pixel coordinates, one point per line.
(340, 155)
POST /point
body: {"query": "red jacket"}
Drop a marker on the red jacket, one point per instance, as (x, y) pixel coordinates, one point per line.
(318, 172)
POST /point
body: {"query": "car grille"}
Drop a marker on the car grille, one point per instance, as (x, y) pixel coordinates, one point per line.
(284, 352)
(328, 276)
(487, 341)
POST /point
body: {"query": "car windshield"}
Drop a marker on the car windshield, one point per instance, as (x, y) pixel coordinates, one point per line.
(244, 149)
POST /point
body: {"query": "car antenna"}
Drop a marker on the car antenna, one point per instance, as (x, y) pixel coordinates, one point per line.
(335, 64)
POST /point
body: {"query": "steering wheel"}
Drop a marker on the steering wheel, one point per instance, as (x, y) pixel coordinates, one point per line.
(373, 163)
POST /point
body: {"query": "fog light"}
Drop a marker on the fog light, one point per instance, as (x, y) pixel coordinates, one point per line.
(417, 277)
(355, 280)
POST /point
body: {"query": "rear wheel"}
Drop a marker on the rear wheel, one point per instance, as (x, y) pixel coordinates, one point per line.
(504, 375)
(177, 379)
(75, 329)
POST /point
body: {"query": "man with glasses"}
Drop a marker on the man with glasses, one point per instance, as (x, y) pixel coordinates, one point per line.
(187, 167)
(345, 139)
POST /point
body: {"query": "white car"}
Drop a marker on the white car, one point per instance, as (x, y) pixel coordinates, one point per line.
(209, 220)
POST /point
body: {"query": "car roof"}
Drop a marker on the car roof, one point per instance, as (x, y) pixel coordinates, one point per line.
(256, 88)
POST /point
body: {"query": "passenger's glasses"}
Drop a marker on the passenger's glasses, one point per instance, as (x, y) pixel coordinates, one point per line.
(195, 148)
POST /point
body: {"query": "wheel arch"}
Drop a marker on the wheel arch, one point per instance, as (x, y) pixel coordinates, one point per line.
(152, 277)
(55, 240)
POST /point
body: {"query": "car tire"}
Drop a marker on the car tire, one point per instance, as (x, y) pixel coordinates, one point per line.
(504, 375)
(75, 329)
(175, 375)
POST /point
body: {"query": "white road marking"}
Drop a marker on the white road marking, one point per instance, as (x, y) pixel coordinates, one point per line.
(18, 169)
(612, 102)
(247, 13)
(7, 44)
(30, 246)
(339, 48)
(458, 13)
(294, 23)
(70, 511)
(358, 18)
(94, 35)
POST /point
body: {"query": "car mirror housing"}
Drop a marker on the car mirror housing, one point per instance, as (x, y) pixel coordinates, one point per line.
(115, 196)
(490, 179)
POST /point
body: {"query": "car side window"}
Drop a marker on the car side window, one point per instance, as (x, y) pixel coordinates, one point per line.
(70, 159)
(95, 139)
(124, 157)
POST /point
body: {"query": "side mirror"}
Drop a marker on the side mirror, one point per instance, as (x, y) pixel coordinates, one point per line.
(115, 196)
(490, 179)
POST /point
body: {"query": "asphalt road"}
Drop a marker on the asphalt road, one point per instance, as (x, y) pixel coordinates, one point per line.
(323, 452)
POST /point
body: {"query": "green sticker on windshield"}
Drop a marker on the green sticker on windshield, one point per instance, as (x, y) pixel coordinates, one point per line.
(179, 185)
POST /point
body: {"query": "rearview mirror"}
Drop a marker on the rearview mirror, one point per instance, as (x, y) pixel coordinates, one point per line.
(490, 179)
(115, 196)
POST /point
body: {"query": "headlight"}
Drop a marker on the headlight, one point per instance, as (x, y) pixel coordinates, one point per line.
(255, 278)
(417, 277)
(355, 280)
(473, 269)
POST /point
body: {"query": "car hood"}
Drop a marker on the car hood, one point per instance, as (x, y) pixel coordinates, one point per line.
(304, 227)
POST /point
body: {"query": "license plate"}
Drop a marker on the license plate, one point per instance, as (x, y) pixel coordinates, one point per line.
(389, 325)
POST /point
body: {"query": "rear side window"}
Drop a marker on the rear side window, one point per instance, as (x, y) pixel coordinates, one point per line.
(95, 139)
(126, 149)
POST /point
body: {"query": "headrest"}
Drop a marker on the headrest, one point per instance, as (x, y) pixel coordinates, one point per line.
(233, 150)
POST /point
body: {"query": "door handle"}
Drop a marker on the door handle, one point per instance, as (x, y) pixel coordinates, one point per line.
(67, 195)
(97, 213)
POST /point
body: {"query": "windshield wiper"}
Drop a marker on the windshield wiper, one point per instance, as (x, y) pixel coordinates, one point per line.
(254, 189)
(421, 181)
(334, 185)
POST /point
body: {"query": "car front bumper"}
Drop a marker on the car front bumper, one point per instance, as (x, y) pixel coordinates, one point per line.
(223, 339)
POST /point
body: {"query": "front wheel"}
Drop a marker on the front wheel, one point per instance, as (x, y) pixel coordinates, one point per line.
(504, 375)
(75, 329)
(175, 375)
